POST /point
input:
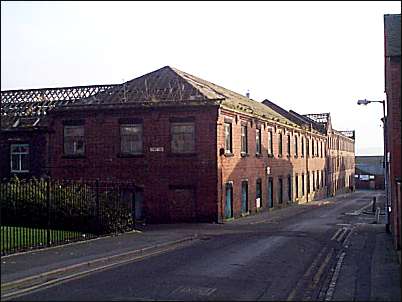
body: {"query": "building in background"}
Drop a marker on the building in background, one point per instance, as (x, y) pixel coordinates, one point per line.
(195, 150)
(369, 174)
(392, 42)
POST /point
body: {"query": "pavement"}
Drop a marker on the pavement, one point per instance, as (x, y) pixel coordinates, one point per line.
(370, 252)
(29, 270)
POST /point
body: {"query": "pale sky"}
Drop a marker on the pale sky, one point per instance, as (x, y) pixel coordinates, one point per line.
(310, 57)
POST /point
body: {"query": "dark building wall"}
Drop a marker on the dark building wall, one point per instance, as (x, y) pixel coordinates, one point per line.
(393, 91)
(37, 141)
(163, 176)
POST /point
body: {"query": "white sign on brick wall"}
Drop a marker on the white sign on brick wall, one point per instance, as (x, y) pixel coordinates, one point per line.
(156, 149)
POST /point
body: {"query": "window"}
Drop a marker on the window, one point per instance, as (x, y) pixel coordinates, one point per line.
(280, 190)
(19, 154)
(302, 185)
(322, 153)
(183, 137)
(302, 147)
(324, 178)
(289, 188)
(244, 196)
(258, 193)
(318, 180)
(288, 146)
(228, 138)
(244, 147)
(308, 147)
(308, 183)
(270, 148)
(131, 138)
(297, 185)
(280, 145)
(74, 140)
(312, 147)
(313, 173)
(296, 146)
(258, 141)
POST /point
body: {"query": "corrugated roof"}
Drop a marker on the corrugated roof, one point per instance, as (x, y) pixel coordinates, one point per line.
(392, 33)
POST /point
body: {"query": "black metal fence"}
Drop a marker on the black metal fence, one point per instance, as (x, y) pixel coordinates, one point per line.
(44, 212)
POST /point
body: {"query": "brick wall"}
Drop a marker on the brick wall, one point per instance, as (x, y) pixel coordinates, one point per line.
(37, 141)
(236, 168)
(393, 91)
(158, 173)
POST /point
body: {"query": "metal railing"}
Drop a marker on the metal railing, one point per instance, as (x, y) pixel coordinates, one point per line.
(43, 212)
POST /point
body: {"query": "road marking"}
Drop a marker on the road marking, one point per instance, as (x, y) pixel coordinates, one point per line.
(345, 230)
(331, 289)
(306, 274)
(200, 291)
(336, 234)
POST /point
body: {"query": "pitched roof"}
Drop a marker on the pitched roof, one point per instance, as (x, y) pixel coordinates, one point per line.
(165, 86)
(169, 85)
(392, 34)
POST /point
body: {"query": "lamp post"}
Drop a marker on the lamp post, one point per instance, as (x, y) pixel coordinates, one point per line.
(366, 102)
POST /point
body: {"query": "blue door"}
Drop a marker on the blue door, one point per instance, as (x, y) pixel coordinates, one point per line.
(270, 193)
(138, 205)
(244, 197)
(229, 201)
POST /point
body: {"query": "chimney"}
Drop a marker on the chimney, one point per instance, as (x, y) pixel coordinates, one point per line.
(248, 93)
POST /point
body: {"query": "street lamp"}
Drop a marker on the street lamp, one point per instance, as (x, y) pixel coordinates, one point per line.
(387, 210)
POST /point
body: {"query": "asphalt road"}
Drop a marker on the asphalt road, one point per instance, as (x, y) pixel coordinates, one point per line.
(291, 258)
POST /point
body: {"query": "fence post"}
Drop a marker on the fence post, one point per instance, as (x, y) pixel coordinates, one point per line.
(97, 205)
(48, 211)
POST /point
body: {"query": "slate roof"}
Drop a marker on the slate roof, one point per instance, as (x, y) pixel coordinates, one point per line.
(370, 165)
(170, 86)
(392, 34)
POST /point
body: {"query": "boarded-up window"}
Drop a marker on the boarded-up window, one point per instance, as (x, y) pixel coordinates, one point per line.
(280, 144)
(74, 143)
(258, 141)
(131, 138)
(228, 138)
(19, 157)
(270, 143)
(244, 146)
(183, 137)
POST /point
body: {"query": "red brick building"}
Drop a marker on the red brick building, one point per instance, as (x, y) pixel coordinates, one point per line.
(195, 150)
(392, 42)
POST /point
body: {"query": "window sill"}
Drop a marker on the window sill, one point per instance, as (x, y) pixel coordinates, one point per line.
(72, 156)
(270, 155)
(19, 172)
(280, 155)
(228, 154)
(244, 154)
(296, 156)
(129, 155)
(259, 155)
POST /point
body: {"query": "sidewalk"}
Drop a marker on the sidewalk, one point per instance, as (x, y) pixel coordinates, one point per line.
(370, 270)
